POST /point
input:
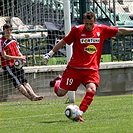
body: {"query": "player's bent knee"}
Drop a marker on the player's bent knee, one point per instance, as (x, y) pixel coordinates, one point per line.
(61, 92)
(91, 87)
(60, 95)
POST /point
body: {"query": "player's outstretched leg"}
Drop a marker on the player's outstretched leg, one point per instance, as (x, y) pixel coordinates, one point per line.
(23, 91)
(84, 105)
(87, 100)
(34, 96)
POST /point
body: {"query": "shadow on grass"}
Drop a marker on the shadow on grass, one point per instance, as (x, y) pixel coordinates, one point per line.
(56, 121)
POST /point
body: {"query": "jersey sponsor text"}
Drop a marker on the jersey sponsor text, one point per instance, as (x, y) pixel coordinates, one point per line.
(89, 40)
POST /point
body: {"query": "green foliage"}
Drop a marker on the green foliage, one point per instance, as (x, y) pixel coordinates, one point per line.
(106, 58)
(107, 114)
(58, 61)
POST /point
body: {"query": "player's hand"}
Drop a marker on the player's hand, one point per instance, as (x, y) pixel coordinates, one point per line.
(46, 58)
(23, 59)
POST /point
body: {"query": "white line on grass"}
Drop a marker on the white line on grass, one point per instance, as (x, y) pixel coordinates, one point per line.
(32, 116)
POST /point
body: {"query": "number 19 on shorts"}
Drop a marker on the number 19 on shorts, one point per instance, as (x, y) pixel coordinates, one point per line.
(69, 81)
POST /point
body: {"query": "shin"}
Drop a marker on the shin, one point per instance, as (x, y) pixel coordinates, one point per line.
(29, 89)
(88, 98)
(23, 91)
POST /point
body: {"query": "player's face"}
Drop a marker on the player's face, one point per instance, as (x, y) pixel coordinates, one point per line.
(7, 32)
(89, 24)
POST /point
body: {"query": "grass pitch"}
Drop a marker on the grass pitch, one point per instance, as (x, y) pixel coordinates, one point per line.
(107, 114)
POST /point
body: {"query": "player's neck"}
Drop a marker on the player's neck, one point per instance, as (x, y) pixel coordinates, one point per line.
(7, 36)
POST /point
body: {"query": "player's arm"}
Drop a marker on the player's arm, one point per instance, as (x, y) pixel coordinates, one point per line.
(58, 46)
(69, 38)
(9, 57)
(22, 56)
(125, 30)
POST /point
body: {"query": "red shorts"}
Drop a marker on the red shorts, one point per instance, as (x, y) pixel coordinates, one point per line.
(72, 78)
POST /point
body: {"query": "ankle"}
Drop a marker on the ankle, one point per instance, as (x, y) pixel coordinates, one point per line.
(80, 112)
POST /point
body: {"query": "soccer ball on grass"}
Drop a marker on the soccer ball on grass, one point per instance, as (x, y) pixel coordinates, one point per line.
(72, 112)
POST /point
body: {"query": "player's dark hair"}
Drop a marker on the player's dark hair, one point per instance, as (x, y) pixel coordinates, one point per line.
(89, 15)
(7, 26)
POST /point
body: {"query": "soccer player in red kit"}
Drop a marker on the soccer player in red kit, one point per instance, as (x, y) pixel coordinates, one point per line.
(9, 52)
(83, 66)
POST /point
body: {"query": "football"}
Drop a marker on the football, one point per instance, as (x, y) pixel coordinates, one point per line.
(72, 112)
(18, 64)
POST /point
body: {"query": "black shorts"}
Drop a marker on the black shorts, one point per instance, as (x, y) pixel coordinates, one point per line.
(17, 75)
